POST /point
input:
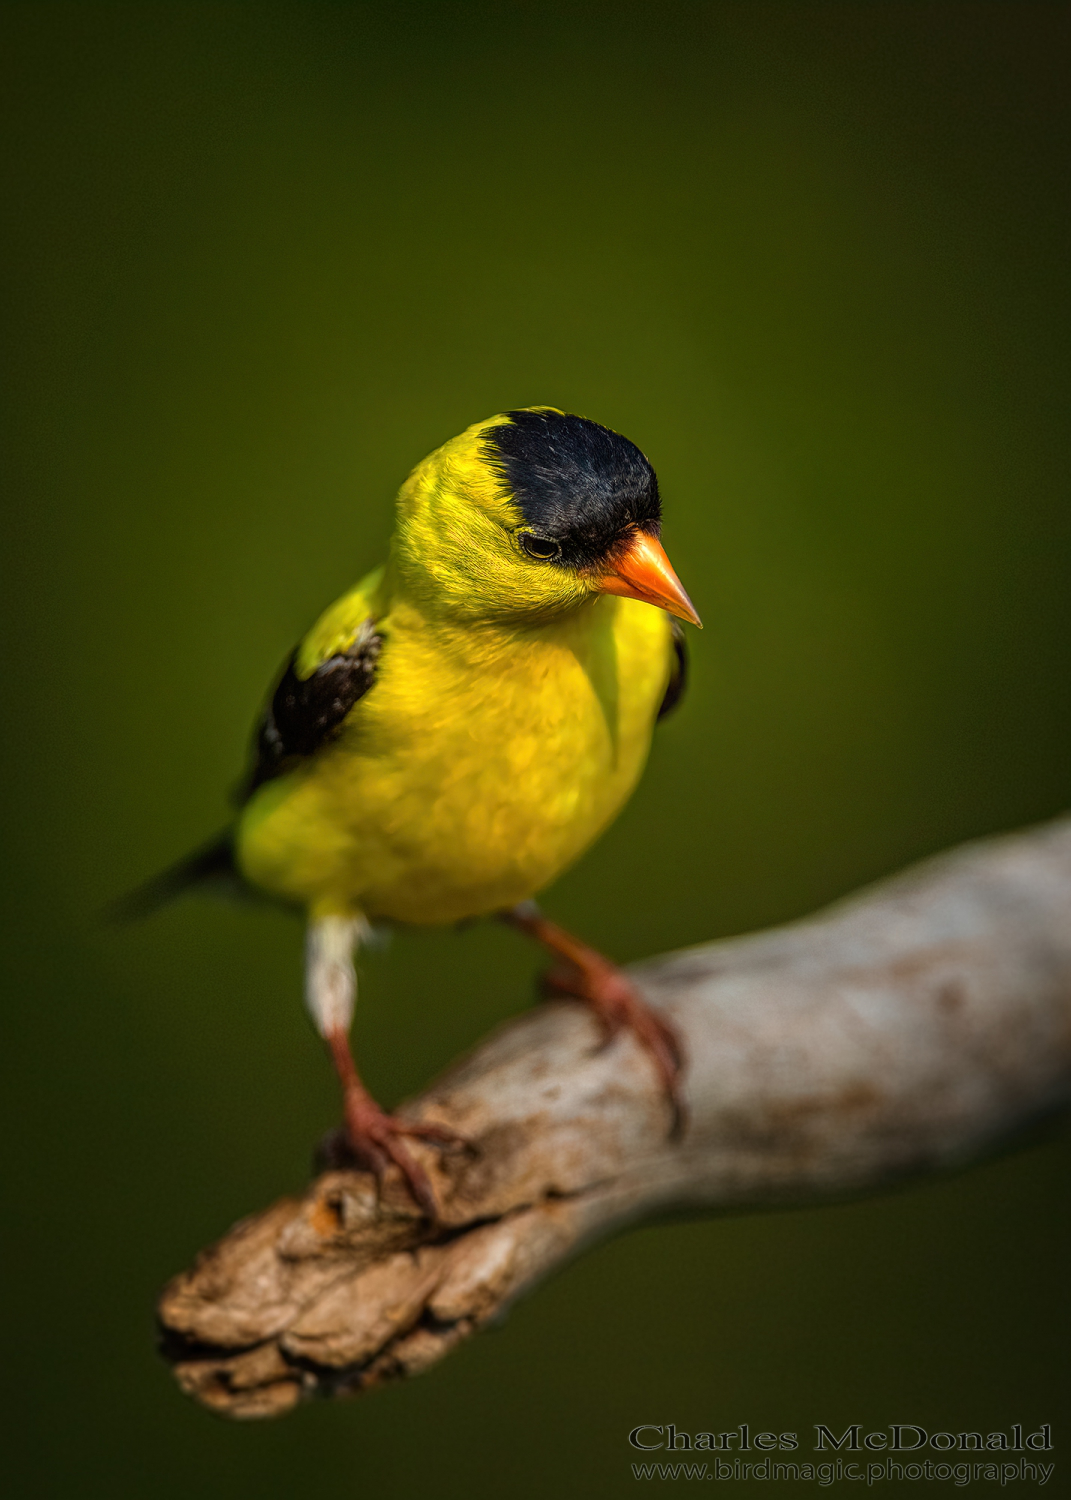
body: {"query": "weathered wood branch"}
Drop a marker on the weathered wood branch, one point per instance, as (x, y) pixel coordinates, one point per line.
(907, 1029)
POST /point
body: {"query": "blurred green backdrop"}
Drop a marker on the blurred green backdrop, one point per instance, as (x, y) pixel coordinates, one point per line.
(814, 260)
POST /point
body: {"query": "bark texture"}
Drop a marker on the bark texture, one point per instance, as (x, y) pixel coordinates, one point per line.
(909, 1028)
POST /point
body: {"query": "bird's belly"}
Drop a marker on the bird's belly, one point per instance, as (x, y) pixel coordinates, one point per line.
(435, 843)
(476, 804)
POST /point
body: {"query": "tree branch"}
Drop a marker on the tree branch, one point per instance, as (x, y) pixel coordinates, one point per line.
(907, 1029)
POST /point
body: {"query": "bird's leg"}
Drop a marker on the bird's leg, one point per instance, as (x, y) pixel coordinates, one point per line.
(374, 1138)
(587, 975)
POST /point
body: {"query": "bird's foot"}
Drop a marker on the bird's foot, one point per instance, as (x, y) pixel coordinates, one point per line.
(586, 975)
(619, 1006)
(375, 1140)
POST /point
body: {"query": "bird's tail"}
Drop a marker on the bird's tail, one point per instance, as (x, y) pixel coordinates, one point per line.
(210, 868)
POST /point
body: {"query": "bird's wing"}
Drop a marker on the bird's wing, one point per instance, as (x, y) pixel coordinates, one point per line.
(678, 673)
(326, 674)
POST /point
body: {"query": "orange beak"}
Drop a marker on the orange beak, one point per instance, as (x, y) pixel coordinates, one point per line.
(644, 572)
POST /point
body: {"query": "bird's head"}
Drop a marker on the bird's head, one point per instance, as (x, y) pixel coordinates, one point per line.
(528, 515)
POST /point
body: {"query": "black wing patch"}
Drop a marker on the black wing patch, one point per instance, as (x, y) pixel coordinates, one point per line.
(306, 713)
(678, 677)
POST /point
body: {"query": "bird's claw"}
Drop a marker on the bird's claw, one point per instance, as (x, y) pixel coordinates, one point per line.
(619, 1006)
(375, 1140)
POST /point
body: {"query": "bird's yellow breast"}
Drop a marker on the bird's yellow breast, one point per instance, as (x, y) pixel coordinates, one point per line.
(478, 766)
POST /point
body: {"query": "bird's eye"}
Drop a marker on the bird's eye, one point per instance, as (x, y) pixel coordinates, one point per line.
(542, 547)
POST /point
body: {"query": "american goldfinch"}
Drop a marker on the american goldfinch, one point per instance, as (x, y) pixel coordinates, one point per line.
(453, 732)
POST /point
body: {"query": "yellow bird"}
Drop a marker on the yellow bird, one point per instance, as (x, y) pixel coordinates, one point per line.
(458, 728)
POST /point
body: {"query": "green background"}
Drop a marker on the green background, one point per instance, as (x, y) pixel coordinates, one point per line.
(814, 260)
